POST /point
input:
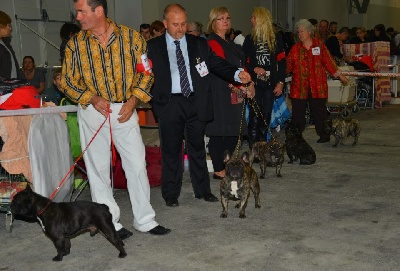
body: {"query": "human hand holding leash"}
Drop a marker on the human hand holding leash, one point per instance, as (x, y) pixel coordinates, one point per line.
(101, 105)
(248, 89)
(244, 77)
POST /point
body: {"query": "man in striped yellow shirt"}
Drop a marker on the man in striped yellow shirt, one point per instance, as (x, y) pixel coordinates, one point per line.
(105, 70)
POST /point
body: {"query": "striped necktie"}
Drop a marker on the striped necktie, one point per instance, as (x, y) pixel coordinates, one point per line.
(185, 87)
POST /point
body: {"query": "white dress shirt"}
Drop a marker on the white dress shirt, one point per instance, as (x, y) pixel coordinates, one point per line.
(171, 47)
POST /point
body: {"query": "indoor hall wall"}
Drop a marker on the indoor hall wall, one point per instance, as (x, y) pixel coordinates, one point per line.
(240, 11)
(387, 15)
(379, 11)
(331, 10)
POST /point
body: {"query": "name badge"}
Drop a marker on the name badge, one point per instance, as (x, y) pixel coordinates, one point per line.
(202, 69)
(145, 62)
(316, 51)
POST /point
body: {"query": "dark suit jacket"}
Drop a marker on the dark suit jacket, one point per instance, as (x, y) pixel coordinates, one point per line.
(198, 49)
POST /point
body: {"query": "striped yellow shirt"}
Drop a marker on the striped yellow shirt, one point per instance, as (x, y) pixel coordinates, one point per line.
(110, 72)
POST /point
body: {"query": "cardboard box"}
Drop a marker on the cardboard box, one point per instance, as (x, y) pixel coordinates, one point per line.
(341, 94)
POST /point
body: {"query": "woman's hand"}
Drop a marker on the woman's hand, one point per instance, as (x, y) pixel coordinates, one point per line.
(278, 90)
(344, 79)
(248, 90)
(259, 71)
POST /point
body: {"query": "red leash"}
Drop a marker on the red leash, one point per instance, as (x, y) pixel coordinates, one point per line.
(113, 153)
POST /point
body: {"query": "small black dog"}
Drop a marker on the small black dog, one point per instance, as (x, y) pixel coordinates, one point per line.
(239, 179)
(297, 147)
(269, 154)
(342, 129)
(61, 221)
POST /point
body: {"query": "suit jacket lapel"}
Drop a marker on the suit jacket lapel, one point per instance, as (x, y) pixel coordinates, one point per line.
(192, 52)
(163, 48)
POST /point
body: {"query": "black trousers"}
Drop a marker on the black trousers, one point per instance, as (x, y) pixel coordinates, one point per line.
(217, 147)
(318, 112)
(257, 128)
(181, 114)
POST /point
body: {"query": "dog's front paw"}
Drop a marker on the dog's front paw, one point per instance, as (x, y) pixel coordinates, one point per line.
(258, 206)
(122, 255)
(223, 215)
(58, 258)
(242, 216)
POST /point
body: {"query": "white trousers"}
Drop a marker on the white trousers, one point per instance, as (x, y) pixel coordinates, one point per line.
(129, 144)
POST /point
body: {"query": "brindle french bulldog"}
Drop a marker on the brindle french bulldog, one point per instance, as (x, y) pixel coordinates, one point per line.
(239, 179)
(62, 221)
(269, 154)
(342, 129)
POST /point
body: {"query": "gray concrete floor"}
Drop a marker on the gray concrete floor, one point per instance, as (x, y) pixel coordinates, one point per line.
(342, 213)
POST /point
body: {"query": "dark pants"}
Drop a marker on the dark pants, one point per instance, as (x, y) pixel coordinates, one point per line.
(217, 147)
(257, 128)
(181, 114)
(318, 110)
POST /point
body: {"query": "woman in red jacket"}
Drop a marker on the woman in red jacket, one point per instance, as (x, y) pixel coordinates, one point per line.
(308, 61)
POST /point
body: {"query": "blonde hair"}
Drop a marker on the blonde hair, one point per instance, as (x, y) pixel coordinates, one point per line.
(214, 13)
(362, 29)
(263, 31)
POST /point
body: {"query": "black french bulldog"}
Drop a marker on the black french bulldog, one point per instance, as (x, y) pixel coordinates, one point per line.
(239, 179)
(297, 147)
(62, 221)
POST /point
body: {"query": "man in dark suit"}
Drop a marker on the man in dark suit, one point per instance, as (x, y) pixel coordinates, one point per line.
(182, 100)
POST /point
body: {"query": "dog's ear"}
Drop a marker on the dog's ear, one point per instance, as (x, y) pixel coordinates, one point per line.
(246, 157)
(227, 156)
(28, 187)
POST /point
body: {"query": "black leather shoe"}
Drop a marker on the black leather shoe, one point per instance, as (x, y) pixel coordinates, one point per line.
(323, 140)
(124, 234)
(159, 230)
(216, 177)
(208, 197)
(172, 202)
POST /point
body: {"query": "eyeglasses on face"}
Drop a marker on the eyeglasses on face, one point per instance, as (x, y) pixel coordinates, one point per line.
(223, 19)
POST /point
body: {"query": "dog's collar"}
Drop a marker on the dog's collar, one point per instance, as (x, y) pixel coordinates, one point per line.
(44, 209)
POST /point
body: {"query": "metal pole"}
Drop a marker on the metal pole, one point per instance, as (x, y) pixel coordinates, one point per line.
(36, 33)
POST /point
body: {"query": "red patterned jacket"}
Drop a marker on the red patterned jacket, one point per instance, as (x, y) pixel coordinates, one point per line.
(308, 68)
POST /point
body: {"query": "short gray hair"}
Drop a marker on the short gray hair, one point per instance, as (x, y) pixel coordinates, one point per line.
(306, 25)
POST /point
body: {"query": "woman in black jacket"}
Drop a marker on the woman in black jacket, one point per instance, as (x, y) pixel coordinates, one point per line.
(266, 63)
(8, 61)
(225, 128)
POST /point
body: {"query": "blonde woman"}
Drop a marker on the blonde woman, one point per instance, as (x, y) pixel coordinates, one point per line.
(224, 130)
(266, 63)
(361, 35)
